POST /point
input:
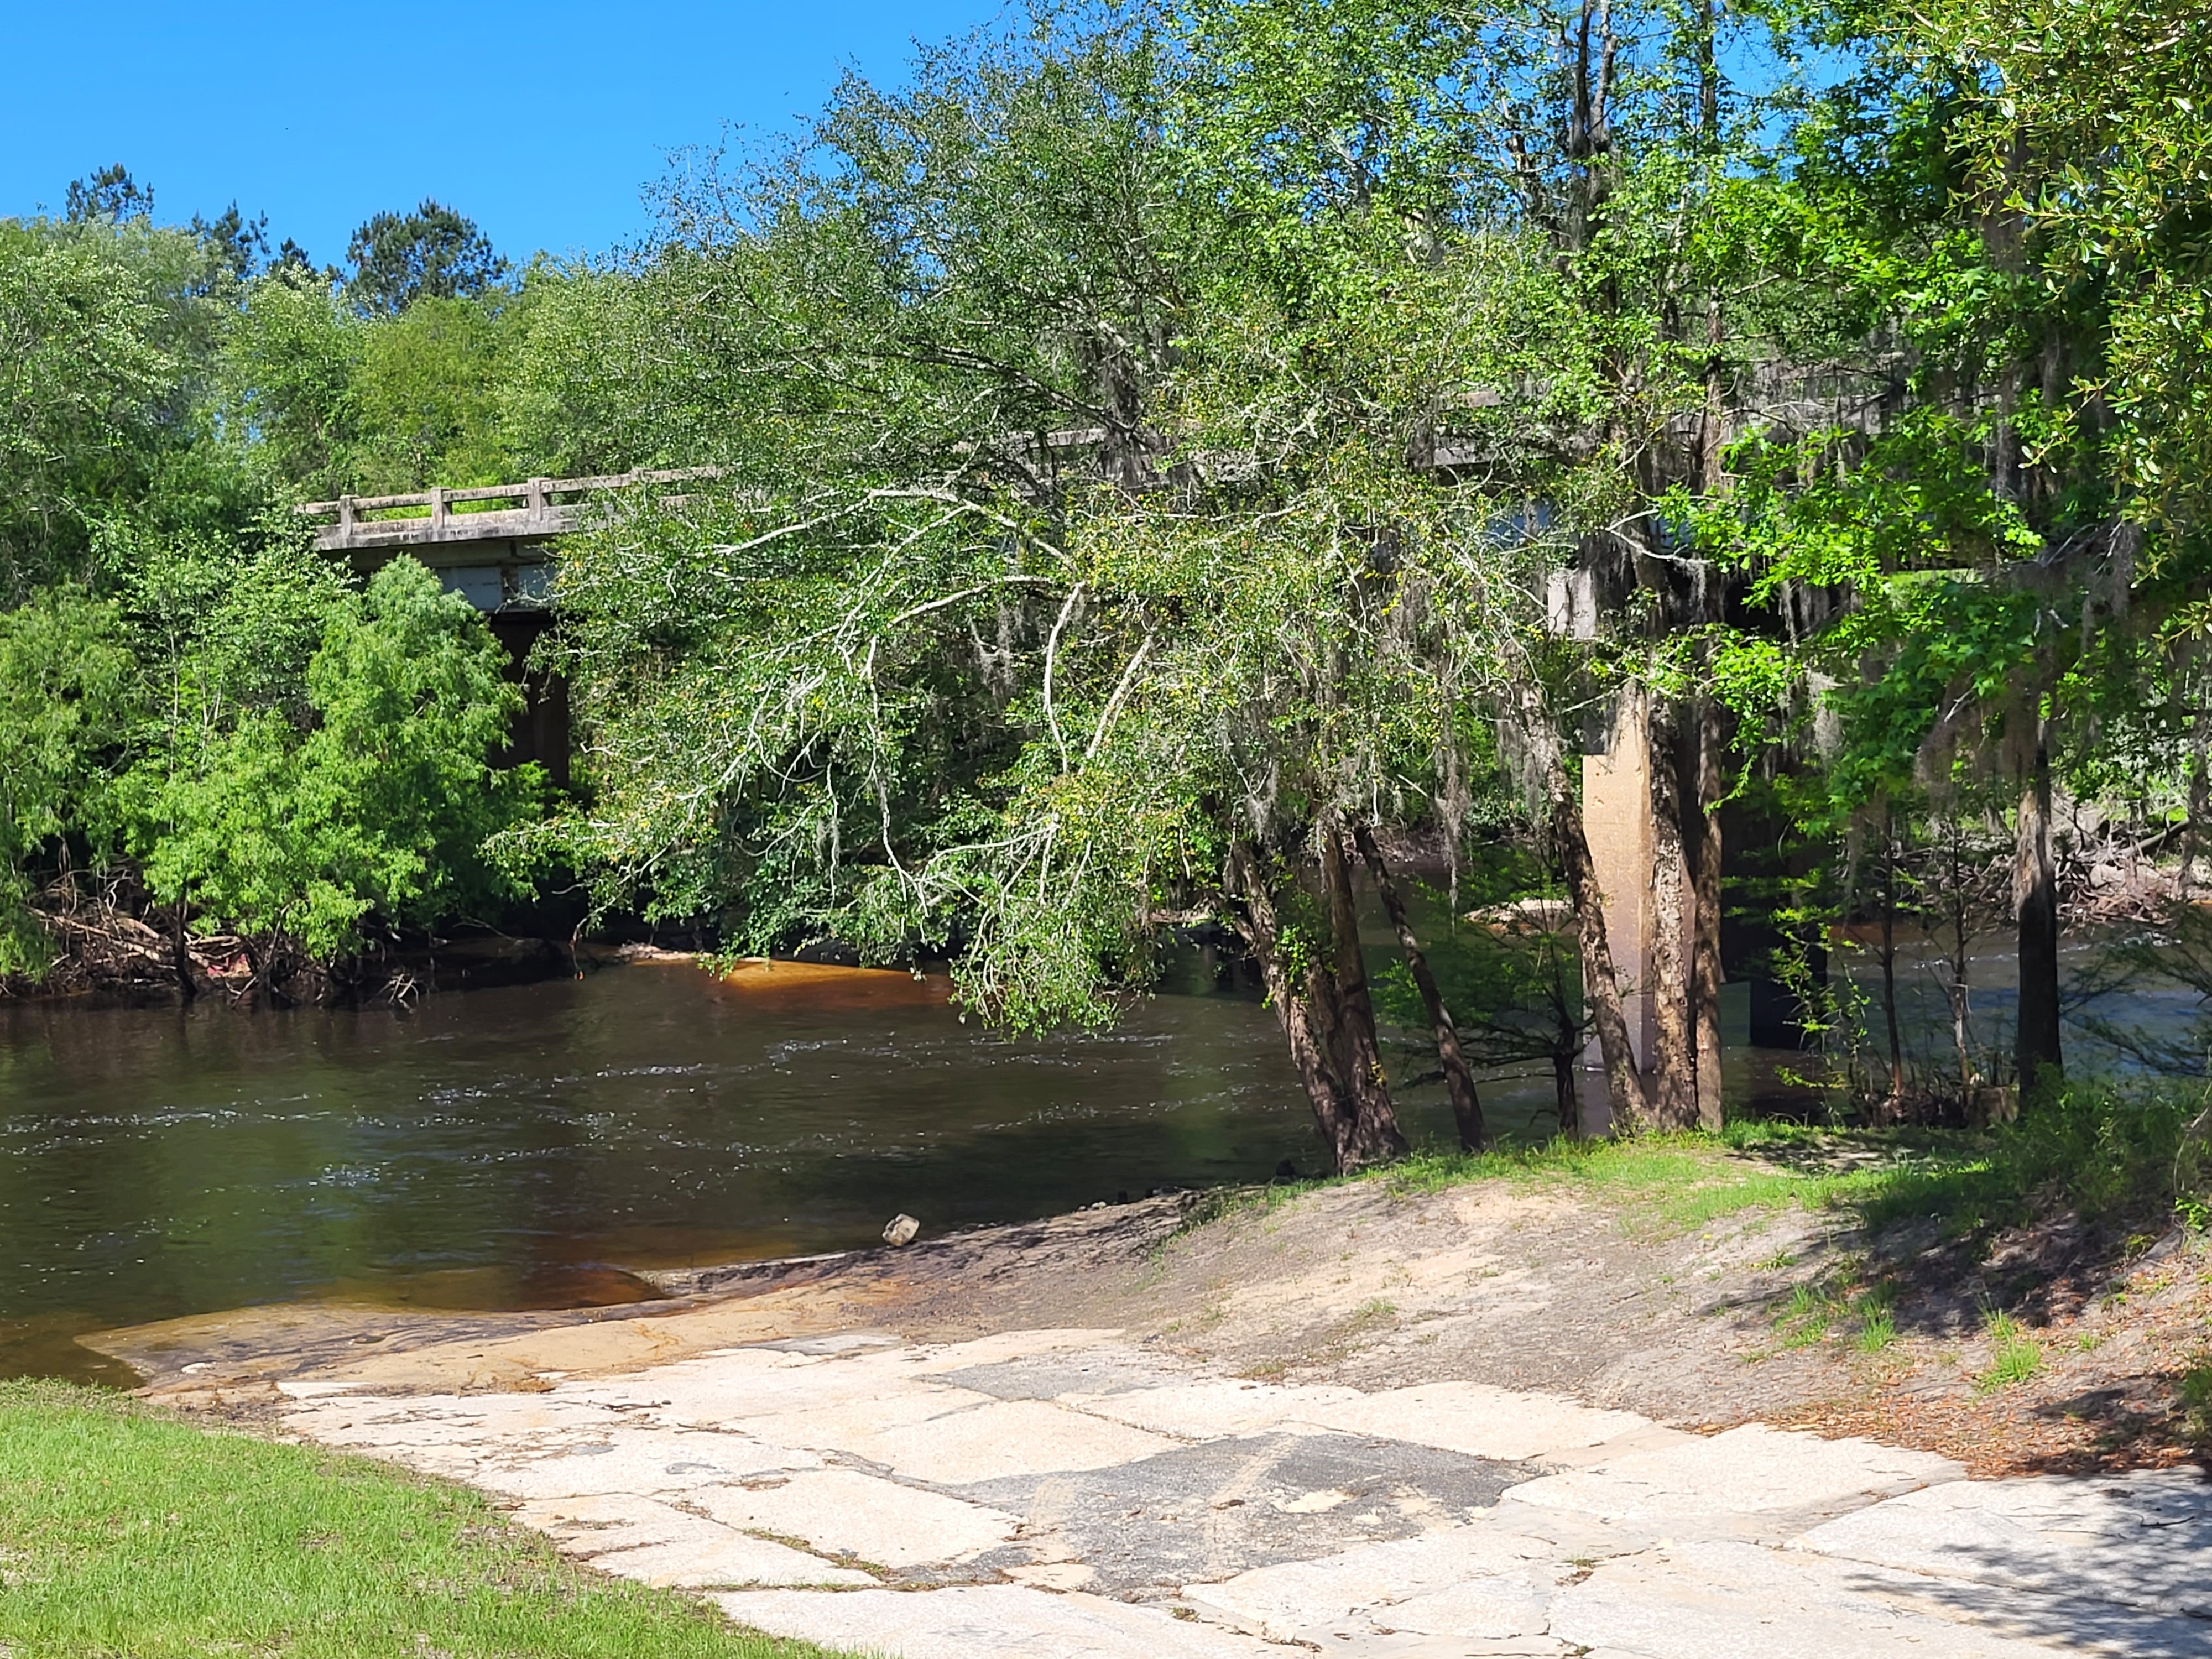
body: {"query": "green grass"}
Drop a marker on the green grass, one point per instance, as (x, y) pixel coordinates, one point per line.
(2014, 1356)
(2195, 1397)
(1877, 1330)
(1671, 1183)
(124, 1531)
(2096, 1149)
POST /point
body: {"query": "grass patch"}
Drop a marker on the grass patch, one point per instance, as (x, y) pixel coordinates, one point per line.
(1808, 1315)
(2014, 1355)
(124, 1531)
(2101, 1152)
(1671, 1182)
(2195, 1397)
(1877, 1330)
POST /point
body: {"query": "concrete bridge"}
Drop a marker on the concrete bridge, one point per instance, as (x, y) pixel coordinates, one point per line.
(488, 543)
(490, 546)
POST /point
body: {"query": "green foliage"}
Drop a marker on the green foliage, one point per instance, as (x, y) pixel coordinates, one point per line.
(85, 379)
(2195, 1397)
(432, 254)
(130, 1531)
(381, 805)
(109, 193)
(286, 382)
(70, 694)
(1145, 435)
(425, 393)
(1877, 1330)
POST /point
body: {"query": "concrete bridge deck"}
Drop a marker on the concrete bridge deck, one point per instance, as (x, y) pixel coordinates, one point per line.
(487, 543)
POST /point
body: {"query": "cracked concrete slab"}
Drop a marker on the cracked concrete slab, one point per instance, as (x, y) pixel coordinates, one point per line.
(845, 1512)
(656, 1543)
(1212, 1408)
(372, 1420)
(1745, 1473)
(1002, 1621)
(1478, 1420)
(638, 1460)
(2138, 1540)
(956, 1437)
(1042, 1492)
(1722, 1598)
(741, 1384)
(1221, 1507)
(1092, 1373)
(1473, 1580)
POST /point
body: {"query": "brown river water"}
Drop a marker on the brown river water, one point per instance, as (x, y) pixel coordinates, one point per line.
(521, 1147)
(529, 1146)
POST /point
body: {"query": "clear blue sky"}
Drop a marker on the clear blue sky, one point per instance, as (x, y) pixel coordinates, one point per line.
(542, 121)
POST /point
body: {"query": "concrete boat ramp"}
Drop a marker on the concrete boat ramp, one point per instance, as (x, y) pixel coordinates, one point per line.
(1067, 1494)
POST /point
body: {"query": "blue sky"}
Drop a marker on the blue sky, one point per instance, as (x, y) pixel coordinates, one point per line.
(541, 122)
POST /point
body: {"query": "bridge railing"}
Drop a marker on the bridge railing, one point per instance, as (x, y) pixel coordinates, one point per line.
(542, 508)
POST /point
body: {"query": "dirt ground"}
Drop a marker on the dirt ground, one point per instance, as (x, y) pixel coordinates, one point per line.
(1528, 1286)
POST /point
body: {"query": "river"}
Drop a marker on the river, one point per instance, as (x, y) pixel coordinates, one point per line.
(523, 1146)
(529, 1147)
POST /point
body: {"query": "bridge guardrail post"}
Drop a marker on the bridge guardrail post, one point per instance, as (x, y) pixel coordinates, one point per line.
(437, 511)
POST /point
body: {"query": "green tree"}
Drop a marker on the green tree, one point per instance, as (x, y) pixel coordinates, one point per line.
(87, 378)
(432, 254)
(297, 835)
(70, 695)
(109, 194)
(426, 393)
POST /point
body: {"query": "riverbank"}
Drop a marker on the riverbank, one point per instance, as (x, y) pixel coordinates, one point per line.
(1915, 1286)
(1617, 1401)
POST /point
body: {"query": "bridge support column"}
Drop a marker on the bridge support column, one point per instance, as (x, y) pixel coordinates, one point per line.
(1617, 818)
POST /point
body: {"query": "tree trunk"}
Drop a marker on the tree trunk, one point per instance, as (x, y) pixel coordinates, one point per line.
(1706, 972)
(1359, 1056)
(1331, 1111)
(1601, 984)
(2200, 793)
(1957, 990)
(2035, 907)
(1675, 1084)
(180, 953)
(1308, 1004)
(1889, 961)
(1459, 1080)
